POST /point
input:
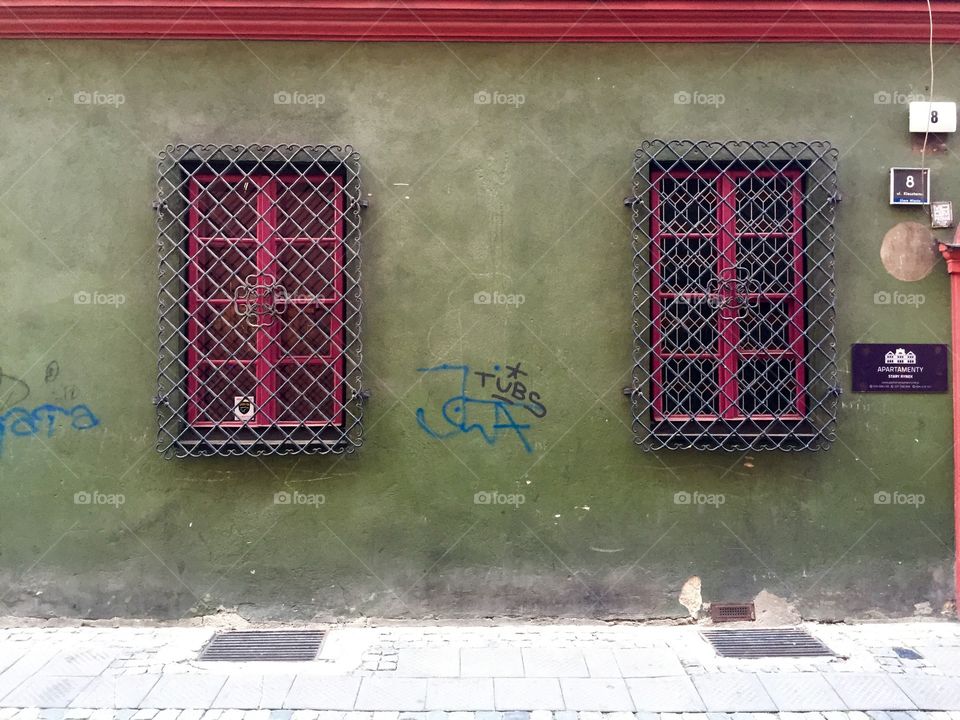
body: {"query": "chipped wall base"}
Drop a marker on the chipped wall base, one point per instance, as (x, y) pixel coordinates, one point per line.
(460, 595)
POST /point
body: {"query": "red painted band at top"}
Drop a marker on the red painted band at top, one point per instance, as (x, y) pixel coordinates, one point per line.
(847, 21)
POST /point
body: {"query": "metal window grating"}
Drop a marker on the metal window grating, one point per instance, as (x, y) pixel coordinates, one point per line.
(263, 645)
(733, 295)
(731, 612)
(773, 642)
(259, 301)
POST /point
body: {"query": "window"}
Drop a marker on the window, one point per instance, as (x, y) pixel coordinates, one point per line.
(259, 300)
(733, 296)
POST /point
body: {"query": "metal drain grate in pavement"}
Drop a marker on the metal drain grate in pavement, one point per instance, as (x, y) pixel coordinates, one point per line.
(252, 645)
(760, 642)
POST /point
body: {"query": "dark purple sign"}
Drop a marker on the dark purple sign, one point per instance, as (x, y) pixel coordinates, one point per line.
(899, 367)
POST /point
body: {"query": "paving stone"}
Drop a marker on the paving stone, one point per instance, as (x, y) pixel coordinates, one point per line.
(46, 691)
(116, 691)
(167, 714)
(313, 691)
(459, 693)
(601, 662)
(429, 662)
(648, 662)
(604, 694)
(29, 663)
(259, 714)
(554, 662)
(527, 694)
(391, 693)
(931, 692)
(565, 715)
(729, 692)
(184, 691)
(945, 658)
(249, 692)
(875, 691)
(664, 694)
(90, 662)
(491, 662)
(103, 714)
(801, 692)
(304, 715)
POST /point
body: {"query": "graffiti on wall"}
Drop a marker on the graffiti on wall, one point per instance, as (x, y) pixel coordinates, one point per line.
(499, 404)
(19, 420)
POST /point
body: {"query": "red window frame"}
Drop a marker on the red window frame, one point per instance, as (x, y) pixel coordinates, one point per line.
(266, 246)
(728, 352)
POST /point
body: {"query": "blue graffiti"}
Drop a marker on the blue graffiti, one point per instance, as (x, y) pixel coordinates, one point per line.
(495, 414)
(43, 418)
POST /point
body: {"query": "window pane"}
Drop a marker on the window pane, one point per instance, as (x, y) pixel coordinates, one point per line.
(767, 386)
(687, 264)
(217, 389)
(304, 330)
(307, 270)
(689, 387)
(765, 325)
(305, 207)
(223, 266)
(766, 263)
(224, 333)
(227, 208)
(688, 326)
(764, 204)
(688, 205)
(305, 393)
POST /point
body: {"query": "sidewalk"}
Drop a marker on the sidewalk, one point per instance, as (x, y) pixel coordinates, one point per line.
(480, 673)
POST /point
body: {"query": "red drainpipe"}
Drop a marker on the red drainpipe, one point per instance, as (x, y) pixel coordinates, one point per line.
(951, 253)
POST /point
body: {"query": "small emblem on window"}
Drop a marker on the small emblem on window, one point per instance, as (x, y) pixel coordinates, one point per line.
(243, 408)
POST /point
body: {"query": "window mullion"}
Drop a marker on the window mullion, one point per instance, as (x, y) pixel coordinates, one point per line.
(267, 270)
(728, 331)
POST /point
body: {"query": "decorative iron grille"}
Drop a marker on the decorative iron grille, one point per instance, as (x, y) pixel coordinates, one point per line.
(259, 304)
(733, 295)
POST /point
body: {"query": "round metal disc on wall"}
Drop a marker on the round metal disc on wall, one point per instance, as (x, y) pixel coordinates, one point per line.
(909, 251)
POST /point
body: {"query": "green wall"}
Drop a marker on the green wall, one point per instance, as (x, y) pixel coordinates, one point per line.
(464, 197)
